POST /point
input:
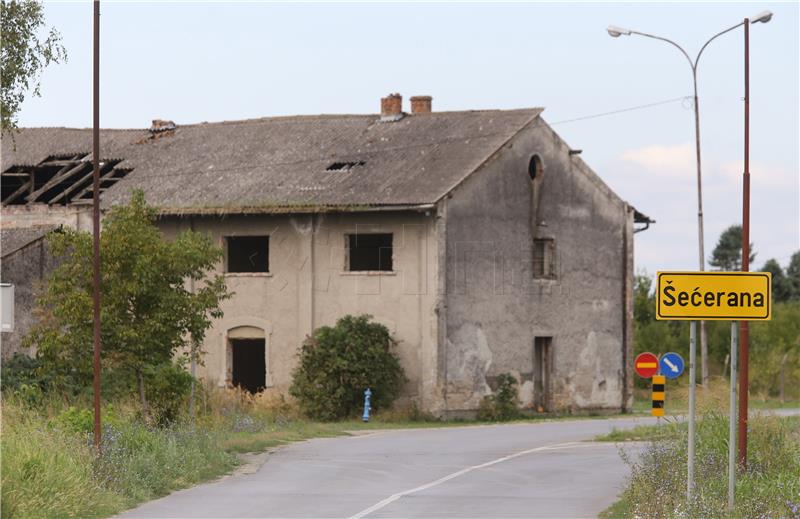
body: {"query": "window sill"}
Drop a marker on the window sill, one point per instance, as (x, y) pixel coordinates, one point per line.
(368, 273)
(248, 274)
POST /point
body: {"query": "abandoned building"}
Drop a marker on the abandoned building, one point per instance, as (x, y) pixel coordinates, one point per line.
(479, 238)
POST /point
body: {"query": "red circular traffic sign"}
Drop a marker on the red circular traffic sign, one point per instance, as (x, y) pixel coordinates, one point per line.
(646, 364)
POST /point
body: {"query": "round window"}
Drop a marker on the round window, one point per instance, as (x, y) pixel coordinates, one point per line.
(535, 167)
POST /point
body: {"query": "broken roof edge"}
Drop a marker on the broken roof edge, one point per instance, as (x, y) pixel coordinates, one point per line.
(299, 208)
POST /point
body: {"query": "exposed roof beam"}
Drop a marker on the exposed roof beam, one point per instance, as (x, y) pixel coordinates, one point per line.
(59, 177)
(24, 188)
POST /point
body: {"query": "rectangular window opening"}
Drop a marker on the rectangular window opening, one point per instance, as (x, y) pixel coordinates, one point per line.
(544, 258)
(247, 254)
(369, 252)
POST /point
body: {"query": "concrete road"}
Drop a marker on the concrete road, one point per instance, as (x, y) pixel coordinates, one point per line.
(522, 470)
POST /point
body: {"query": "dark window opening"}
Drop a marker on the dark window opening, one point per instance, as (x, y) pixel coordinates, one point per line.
(369, 252)
(248, 253)
(344, 166)
(541, 372)
(57, 180)
(535, 167)
(544, 258)
(249, 364)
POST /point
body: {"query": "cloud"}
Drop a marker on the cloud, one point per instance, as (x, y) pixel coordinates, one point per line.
(766, 175)
(676, 161)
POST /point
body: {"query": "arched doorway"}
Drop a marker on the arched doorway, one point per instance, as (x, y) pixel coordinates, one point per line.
(248, 358)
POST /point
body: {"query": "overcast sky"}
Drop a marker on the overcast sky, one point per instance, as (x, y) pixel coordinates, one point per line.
(193, 62)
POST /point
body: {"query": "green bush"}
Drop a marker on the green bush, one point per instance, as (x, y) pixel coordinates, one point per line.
(167, 389)
(338, 363)
(502, 404)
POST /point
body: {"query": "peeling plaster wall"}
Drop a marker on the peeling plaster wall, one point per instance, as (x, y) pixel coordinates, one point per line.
(494, 307)
(27, 269)
(308, 287)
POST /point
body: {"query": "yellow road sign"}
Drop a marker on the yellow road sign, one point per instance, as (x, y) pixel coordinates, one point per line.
(714, 296)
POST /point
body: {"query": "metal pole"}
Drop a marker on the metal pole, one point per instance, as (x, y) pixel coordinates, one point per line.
(732, 426)
(744, 333)
(96, 223)
(692, 377)
(700, 247)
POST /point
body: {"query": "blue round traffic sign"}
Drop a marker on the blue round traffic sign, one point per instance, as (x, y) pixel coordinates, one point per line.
(671, 365)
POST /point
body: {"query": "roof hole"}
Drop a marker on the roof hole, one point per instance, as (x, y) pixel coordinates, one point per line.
(344, 166)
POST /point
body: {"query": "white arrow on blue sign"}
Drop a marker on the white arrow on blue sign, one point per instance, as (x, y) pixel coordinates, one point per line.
(671, 365)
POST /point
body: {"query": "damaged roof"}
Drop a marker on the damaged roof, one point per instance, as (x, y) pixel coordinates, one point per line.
(288, 163)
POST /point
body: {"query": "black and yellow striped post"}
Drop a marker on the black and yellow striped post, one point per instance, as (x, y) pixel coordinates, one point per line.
(658, 395)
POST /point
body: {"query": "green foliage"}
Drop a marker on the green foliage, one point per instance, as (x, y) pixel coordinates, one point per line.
(50, 468)
(168, 387)
(727, 255)
(147, 309)
(775, 349)
(23, 55)
(502, 404)
(81, 419)
(338, 363)
(781, 285)
(793, 275)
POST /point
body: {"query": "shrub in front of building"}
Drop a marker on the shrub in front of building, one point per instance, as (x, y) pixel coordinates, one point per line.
(338, 363)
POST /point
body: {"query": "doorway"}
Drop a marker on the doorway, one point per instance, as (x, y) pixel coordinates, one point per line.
(249, 365)
(542, 364)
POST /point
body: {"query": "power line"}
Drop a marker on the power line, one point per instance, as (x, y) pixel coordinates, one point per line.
(623, 110)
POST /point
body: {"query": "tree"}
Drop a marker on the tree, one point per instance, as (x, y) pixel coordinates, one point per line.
(23, 55)
(781, 285)
(147, 312)
(338, 363)
(793, 276)
(727, 255)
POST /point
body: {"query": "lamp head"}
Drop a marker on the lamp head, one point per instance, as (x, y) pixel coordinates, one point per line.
(762, 17)
(616, 32)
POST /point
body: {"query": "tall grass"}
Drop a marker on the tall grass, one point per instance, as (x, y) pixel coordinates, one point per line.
(769, 487)
(50, 469)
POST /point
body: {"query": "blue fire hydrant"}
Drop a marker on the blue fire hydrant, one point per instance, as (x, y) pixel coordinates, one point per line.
(367, 395)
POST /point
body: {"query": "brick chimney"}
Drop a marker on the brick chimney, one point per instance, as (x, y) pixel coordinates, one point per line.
(392, 107)
(421, 104)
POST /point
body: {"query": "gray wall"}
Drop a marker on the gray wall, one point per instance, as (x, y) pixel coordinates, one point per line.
(494, 307)
(26, 268)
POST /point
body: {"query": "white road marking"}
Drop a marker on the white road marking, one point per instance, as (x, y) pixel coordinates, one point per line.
(395, 497)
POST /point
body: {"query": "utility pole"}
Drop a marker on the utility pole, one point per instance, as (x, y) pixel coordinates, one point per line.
(96, 223)
(744, 325)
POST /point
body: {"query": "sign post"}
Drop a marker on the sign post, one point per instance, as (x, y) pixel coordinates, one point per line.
(714, 296)
(732, 432)
(692, 379)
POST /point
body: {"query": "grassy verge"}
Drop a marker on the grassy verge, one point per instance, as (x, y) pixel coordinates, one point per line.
(677, 397)
(769, 487)
(50, 469)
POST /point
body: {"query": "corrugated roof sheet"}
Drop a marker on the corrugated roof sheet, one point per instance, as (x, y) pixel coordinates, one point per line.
(272, 164)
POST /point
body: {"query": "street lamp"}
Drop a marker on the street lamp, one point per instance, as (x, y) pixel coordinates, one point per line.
(616, 32)
(763, 17)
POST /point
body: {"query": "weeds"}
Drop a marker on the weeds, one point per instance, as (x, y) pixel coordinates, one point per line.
(769, 487)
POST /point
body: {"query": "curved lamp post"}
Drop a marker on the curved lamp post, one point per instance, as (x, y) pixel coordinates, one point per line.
(616, 32)
(762, 17)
